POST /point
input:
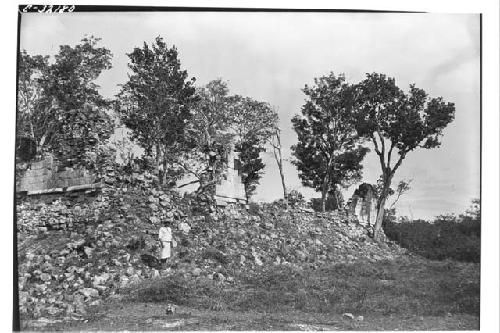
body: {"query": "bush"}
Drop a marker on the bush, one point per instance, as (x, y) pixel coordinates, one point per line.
(447, 237)
(295, 199)
(254, 209)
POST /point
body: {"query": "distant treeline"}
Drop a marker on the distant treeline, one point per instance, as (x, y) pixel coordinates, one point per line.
(447, 237)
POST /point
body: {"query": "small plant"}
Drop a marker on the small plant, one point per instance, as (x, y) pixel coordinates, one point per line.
(295, 199)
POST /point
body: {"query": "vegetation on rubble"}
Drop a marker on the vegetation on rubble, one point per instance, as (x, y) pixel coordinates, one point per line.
(404, 294)
(155, 103)
(87, 260)
(60, 108)
(222, 122)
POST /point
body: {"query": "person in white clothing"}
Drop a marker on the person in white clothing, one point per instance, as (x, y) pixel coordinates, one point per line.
(165, 237)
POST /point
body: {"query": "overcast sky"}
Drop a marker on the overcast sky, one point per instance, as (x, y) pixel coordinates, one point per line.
(271, 56)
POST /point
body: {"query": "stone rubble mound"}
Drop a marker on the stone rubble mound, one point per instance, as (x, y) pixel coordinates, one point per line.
(75, 252)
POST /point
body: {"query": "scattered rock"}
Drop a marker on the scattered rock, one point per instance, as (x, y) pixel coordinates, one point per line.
(45, 277)
(170, 309)
(184, 227)
(196, 272)
(348, 315)
(89, 292)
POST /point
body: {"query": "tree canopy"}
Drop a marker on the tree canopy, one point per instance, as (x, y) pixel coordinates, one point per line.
(396, 123)
(329, 152)
(155, 102)
(60, 108)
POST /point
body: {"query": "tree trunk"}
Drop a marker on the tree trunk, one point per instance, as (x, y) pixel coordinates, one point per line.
(157, 165)
(380, 218)
(324, 193)
(377, 228)
(164, 172)
(279, 161)
(40, 144)
(247, 197)
(337, 199)
(282, 175)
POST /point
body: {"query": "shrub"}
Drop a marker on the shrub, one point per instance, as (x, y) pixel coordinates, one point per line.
(254, 209)
(295, 199)
(448, 236)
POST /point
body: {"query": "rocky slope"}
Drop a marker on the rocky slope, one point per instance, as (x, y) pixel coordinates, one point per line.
(76, 251)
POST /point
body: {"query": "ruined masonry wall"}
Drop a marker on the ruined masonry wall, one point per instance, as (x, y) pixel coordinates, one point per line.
(364, 205)
(45, 175)
(231, 189)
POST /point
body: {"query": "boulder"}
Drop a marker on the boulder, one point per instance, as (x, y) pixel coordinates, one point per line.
(184, 227)
(348, 315)
(89, 292)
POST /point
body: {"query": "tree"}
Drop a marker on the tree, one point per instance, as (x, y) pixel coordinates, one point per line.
(397, 122)
(275, 141)
(251, 164)
(328, 153)
(222, 122)
(156, 101)
(60, 108)
(403, 187)
(253, 118)
(208, 134)
(254, 123)
(30, 91)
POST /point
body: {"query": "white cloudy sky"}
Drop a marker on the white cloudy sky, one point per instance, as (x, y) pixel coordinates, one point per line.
(271, 56)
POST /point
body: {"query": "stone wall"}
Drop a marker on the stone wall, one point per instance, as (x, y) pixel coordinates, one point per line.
(231, 190)
(363, 205)
(44, 176)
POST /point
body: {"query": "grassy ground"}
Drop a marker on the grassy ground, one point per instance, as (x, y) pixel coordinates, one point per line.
(406, 293)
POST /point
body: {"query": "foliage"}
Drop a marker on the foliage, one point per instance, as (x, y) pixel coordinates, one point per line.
(253, 118)
(222, 122)
(208, 134)
(251, 164)
(124, 146)
(448, 236)
(402, 188)
(295, 199)
(328, 152)
(155, 102)
(396, 121)
(60, 108)
(254, 123)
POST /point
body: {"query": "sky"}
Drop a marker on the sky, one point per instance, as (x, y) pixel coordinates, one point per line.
(271, 56)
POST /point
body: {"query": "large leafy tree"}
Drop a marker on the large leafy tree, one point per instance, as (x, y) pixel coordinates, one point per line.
(222, 122)
(397, 122)
(60, 108)
(156, 101)
(328, 153)
(254, 125)
(209, 134)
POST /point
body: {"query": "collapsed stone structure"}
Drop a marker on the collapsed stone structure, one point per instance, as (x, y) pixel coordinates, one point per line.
(363, 204)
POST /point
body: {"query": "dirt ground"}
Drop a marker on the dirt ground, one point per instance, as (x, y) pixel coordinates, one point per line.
(117, 316)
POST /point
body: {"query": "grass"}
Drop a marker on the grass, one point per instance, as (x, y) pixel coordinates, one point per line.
(400, 287)
(409, 293)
